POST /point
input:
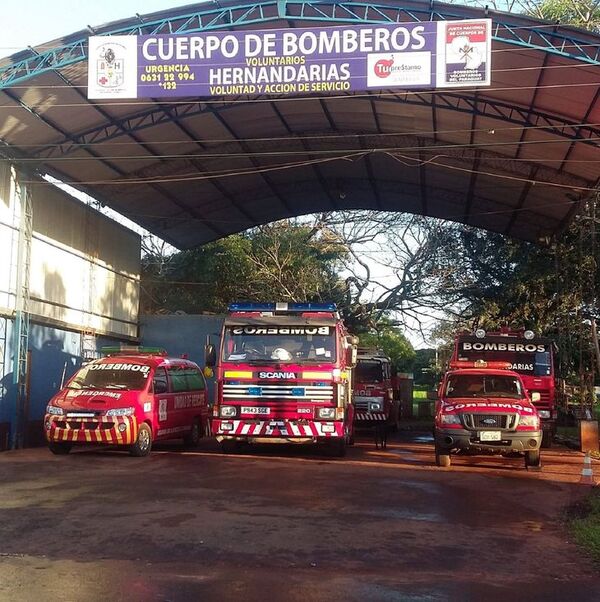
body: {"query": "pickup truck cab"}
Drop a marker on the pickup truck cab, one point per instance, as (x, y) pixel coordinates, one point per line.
(129, 399)
(483, 407)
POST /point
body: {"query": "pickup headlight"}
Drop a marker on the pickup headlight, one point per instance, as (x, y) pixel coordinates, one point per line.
(326, 413)
(375, 406)
(544, 414)
(228, 411)
(50, 409)
(120, 412)
(450, 419)
(533, 421)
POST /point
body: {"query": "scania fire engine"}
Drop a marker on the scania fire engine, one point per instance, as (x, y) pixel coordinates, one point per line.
(484, 407)
(283, 375)
(532, 357)
(374, 402)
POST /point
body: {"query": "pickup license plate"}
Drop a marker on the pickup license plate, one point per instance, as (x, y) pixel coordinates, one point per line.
(490, 436)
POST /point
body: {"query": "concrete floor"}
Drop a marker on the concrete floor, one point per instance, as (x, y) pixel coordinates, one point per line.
(289, 523)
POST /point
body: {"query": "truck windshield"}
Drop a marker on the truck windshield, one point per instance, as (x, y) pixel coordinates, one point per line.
(369, 371)
(476, 385)
(124, 377)
(252, 344)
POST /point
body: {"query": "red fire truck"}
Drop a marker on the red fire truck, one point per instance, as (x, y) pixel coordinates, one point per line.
(532, 357)
(373, 398)
(484, 407)
(283, 376)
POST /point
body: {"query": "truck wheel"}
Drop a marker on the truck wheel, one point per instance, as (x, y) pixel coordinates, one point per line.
(442, 457)
(192, 439)
(338, 447)
(532, 458)
(143, 443)
(229, 446)
(59, 448)
(547, 437)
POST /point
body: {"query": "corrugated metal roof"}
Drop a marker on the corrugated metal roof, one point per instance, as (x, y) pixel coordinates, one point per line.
(516, 158)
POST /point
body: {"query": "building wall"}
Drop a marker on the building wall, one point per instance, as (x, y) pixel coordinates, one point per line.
(84, 272)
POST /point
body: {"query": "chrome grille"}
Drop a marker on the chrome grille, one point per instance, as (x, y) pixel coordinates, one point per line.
(490, 421)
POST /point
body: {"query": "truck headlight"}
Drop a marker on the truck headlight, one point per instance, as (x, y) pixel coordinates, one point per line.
(326, 413)
(120, 412)
(50, 409)
(228, 411)
(533, 421)
(375, 406)
(544, 414)
(450, 419)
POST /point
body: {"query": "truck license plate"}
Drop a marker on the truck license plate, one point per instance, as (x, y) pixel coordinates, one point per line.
(255, 410)
(490, 436)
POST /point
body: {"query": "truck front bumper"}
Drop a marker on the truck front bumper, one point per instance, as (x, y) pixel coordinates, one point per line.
(304, 431)
(511, 441)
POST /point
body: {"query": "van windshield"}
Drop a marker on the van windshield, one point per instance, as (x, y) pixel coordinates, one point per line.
(280, 344)
(476, 385)
(130, 377)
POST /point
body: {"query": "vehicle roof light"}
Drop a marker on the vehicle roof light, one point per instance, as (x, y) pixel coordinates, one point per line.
(529, 334)
(283, 307)
(462, 364)
(480, 333)
(131, 350)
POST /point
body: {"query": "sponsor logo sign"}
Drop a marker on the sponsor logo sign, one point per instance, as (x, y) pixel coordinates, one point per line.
(291, 61)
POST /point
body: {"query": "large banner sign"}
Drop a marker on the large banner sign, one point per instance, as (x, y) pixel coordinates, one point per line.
(292, 61)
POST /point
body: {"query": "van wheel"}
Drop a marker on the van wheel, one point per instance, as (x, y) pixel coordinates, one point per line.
(532, 458)
(143, 444)
(59, 448)
(442, 457)
(192, 439)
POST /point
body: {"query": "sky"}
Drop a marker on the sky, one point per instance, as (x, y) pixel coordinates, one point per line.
(33, 22)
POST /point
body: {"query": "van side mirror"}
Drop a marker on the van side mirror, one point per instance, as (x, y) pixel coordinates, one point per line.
(535, 396)
(210, 355)
(160, 386)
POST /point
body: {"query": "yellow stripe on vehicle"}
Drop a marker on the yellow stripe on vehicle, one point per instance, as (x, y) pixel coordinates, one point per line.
(237, 374)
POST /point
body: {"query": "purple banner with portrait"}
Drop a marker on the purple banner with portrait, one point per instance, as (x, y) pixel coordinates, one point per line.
(291, 61)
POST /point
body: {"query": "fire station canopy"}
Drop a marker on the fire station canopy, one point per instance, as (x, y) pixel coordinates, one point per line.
(517, 157)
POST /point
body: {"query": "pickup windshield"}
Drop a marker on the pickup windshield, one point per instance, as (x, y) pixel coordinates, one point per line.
(124, 377)
(476, 385)
(250, 344)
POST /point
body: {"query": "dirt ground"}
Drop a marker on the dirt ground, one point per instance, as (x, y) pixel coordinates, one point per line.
(289, 523)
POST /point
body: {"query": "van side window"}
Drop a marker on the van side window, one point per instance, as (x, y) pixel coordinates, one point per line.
(195, 379)
(160, 384)
(178, 379)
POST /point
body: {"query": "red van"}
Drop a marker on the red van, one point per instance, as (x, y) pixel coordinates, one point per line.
(130, 398)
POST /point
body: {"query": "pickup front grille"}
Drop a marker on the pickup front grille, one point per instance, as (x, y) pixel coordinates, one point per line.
(490, 421)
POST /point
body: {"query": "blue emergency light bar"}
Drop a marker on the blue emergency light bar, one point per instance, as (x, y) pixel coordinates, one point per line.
(283, 307)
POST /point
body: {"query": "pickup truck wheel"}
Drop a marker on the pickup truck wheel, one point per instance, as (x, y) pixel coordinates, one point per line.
(547, 437)
(532, 458)
(143, 443)
(192, 439)
(442, 457)
(59, 448)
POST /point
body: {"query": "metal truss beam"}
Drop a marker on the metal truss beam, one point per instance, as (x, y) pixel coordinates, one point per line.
(508, 113)
(514, 30)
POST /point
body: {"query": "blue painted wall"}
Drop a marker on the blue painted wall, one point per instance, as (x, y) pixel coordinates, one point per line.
(179, 334)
